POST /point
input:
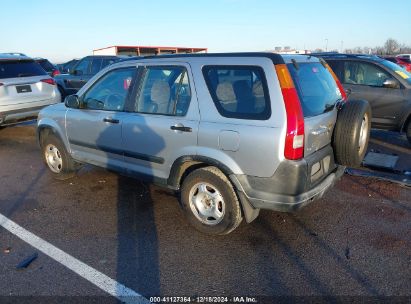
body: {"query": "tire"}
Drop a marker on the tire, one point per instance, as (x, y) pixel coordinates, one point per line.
(209, 201)
(352, 132)
(408, 131)
(56, 157)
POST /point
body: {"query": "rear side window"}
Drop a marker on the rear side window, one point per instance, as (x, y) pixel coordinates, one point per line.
(316, 88)
(239, 91)
(46, 65)
(14, 69)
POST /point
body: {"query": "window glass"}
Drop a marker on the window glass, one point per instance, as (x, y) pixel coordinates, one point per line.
(164, 90)
(238, 91)
(107, 62)
(404, 74)
(96, 65)
(317, 90)
(83, 66)
(46, 65)
(362, 73)
(110, 91)
(13, 69)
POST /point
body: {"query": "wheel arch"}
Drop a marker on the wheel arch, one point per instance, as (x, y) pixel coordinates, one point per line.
(186, 164)
(44, 129)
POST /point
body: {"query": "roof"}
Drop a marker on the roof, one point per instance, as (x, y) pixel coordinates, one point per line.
(13, 56)
(331, 55)
(276, 58)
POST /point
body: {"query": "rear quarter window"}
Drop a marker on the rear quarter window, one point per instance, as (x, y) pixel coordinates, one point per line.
(18, 68)
(316, 88)
(239, 91)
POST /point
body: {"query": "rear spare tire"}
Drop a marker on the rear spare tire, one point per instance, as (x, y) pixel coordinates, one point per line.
(352, 132)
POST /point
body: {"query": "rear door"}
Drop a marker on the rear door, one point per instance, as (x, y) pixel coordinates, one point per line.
(94, 131)
(365, 80)
(163, 123)
(318, 94)
(21, 84)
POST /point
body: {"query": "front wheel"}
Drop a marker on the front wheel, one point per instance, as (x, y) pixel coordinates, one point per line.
(57, 159)
(210, 202)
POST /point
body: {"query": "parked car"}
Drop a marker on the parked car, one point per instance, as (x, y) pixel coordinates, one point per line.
(50, 68)
(66, 67)
(384, 84)
(25, 88)
(232, 133)
(403, 62)
(404, 56)
(81, 72)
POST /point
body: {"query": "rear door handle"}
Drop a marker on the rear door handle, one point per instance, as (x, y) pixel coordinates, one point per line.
(181, 128)
(111, 120)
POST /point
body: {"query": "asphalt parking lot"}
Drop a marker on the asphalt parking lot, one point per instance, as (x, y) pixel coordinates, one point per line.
(355, 241)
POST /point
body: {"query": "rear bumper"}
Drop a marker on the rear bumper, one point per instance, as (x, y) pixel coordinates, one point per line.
(294, 184)
(14, 116)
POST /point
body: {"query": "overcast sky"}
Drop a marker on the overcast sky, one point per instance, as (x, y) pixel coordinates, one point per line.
(61, 30)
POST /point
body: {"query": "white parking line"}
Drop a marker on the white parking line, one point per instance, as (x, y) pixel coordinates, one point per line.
(92, 275)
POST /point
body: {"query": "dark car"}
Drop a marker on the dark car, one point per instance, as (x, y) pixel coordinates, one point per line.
(384, 84)
(50, 68)
(86, 68)
(66, 67)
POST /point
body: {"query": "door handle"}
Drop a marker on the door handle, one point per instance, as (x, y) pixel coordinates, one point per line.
(111, 120)
(181, 128)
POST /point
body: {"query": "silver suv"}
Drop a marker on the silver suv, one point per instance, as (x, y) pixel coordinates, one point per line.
(232, 133)
(25, 88)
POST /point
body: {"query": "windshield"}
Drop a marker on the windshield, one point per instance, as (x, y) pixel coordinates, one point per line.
(14, 69)
(399, 70)
(316, 88)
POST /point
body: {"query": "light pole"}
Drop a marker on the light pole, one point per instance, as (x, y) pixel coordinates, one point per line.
(326, 44)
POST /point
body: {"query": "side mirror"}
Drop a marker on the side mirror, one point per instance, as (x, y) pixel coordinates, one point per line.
(72, 101)
(391, 84)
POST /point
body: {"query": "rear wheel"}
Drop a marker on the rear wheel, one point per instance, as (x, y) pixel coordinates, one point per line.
(57, 159)
(408, 131)
(352, 132)
(210, 202)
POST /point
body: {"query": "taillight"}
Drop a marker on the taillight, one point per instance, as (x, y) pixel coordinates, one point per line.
(55, 72)
(294, 140)
(337, 81)
(49, 81)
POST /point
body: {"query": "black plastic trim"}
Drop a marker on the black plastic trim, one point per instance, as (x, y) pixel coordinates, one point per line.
(140, 156)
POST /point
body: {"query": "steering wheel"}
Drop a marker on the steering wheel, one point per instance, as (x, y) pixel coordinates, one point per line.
(114, 102)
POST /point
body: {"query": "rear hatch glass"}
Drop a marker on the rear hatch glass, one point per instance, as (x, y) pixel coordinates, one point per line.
(20, 68)
(46, 65)
(316, 88)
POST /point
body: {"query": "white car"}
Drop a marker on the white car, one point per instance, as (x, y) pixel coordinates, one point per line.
(25, 88)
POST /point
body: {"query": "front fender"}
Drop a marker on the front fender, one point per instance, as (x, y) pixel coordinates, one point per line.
(55, 127)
